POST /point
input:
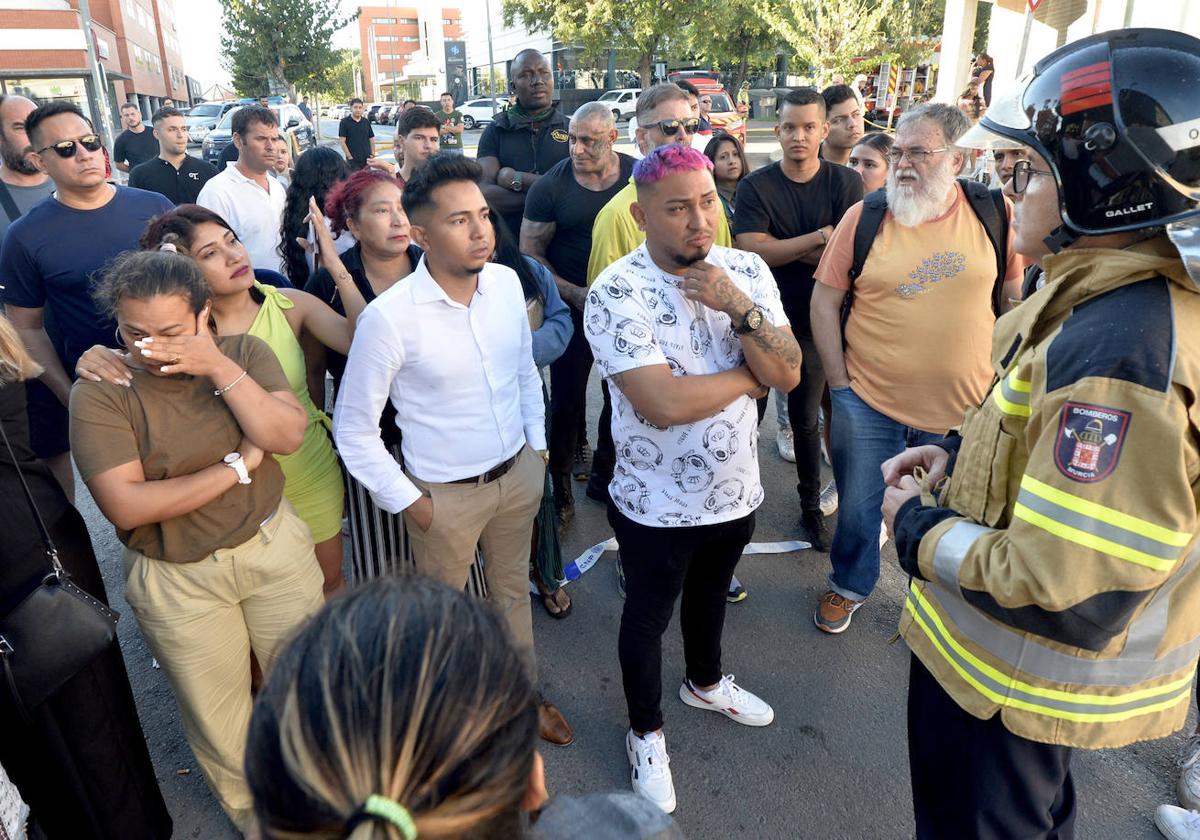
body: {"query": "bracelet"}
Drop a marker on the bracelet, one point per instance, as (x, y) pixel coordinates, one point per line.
(824, 238)
(220, 392)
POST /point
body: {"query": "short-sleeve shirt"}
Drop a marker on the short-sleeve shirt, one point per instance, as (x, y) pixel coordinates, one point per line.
(695, 474)
(134, 147)
(180, 186)
(51, 258)
(24, 198)
(919, 337)
(518, 145)
(358, 134)
(254, 213)
(448, 139)
(768, 201)
(557, 197)
(175, 426)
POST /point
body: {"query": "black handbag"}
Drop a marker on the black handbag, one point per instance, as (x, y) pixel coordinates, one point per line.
(55, 631)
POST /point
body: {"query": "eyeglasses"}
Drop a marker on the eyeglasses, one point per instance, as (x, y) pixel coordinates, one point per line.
(918, 156)
(68, 148)
(671, 127)
(1022, 171)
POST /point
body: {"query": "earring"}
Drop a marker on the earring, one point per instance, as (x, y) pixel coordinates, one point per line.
(120, 341)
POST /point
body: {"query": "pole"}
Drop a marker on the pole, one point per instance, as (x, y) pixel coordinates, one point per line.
(99, 94)
(1024, 43)
(491, 59)
(393, 59)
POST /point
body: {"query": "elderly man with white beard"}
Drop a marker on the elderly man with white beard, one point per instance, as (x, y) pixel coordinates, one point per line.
(915, 351)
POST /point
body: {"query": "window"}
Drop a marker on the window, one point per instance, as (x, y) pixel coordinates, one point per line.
(408, 21)
(387, 37)
(410, 39)
(383, 20)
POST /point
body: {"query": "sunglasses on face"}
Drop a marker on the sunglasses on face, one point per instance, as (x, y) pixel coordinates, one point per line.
(671, 127)
(68, 148)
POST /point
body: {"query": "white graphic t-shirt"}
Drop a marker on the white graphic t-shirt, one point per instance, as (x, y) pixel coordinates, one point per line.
(700, 473)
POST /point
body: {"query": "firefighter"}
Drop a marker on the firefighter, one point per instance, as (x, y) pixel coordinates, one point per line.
(1055, 576)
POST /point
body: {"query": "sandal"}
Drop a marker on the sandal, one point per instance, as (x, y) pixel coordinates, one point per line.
(552, 604)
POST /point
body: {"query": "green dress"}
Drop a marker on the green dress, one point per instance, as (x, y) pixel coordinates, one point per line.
(312, 478)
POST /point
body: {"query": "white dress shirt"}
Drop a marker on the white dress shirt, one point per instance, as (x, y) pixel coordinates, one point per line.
(462, 379)
(254, 214)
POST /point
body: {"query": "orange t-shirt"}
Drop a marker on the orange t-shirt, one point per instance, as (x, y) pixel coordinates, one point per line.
(919, 337)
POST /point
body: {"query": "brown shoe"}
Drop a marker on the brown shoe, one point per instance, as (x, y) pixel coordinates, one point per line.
(552, 726)
(834, 612)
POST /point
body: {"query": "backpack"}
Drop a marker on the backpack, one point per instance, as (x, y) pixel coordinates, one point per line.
(989, 207)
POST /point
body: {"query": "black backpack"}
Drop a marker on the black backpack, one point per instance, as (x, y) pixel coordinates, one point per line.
(988, 205)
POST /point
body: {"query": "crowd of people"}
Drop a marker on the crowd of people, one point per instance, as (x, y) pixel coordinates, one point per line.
(970, 358)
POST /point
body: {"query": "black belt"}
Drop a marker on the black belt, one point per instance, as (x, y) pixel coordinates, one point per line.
(491, 475)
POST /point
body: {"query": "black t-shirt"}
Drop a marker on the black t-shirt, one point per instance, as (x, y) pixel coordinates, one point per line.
(358, 137)
(180, 185)
(135, 147)
(557, 197)
(229, 155)
(519, 145)
(321, 284)
(768, 201)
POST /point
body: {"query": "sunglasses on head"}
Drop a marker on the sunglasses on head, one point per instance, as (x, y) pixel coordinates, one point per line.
(671, 127)
(68, 148)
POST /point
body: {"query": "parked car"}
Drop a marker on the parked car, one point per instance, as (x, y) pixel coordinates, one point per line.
(290, 119)
(384, 115)
(373, 111)
(622, 102)
(336, 112)
(724, 116)
(478, 112)
(203, 118)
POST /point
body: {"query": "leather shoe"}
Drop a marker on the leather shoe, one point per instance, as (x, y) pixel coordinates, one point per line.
(552, 726)
(814, 530)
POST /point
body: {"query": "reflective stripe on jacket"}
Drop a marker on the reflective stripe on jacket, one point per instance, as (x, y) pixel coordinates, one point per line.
(1057, 582)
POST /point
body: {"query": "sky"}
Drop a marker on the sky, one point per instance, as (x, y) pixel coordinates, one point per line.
(201, 20)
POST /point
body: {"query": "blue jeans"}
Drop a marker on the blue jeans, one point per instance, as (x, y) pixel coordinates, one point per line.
(862, 439)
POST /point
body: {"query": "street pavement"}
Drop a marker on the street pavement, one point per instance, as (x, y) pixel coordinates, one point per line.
(832, 765)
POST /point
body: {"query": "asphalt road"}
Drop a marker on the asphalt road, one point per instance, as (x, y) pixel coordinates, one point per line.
(833, 764)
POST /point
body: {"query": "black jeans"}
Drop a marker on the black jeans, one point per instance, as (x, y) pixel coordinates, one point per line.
(568, 400)
(974, 778)
(804, 404)
(660, 563)
(604, 456)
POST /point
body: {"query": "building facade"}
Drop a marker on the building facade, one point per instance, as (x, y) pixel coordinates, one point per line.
(405, 51)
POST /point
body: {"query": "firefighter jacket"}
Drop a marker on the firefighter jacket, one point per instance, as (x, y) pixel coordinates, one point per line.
(1056, 581)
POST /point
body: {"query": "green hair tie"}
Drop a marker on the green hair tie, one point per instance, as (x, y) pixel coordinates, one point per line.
(389, 809)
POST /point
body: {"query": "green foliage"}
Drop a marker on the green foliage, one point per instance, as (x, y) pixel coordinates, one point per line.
(732, 35)
(339, 85)
(290, 41)
(913, 34)
(831, 36)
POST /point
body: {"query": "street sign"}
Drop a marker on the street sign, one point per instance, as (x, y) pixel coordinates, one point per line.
(1033, 4)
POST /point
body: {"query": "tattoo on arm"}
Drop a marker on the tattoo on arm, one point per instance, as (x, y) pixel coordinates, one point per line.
(776, 342)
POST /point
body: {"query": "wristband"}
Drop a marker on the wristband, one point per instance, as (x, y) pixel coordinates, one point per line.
(220, 392)
(824, 238)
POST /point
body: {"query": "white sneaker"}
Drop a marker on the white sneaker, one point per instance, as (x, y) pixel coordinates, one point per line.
(651, 773)
(1188, 787)
(1177, 823)
(829, 498)
(786, 444)
(729, 699)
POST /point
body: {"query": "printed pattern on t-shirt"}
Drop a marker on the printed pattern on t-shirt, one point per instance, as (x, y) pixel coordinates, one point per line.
(637, 315)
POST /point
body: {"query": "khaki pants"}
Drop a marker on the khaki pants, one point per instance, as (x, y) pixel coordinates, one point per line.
(499, 517)
(201, 621)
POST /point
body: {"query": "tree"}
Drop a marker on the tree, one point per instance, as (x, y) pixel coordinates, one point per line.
(831, 36)
(640, 29)
(339, 86)
(288, 41)
(733, 35)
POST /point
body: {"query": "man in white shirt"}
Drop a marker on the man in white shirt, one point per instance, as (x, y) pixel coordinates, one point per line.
(245, 194)
(452, 348)
(687, 333)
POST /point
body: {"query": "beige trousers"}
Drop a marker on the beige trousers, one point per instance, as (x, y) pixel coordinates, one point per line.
(201, 621)
(499, 517)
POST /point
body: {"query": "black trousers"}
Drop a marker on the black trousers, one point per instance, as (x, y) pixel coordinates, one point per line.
(568, 400)
(659, 564)
(804, 404)
(604, 456)
(973, 778)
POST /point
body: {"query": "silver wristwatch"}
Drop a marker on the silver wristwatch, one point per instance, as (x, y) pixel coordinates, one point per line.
(236, 463)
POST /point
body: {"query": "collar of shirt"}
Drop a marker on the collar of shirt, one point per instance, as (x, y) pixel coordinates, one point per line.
(427, 290)
(231, 169)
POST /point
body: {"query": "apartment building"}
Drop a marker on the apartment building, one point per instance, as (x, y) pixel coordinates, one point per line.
(406, 49)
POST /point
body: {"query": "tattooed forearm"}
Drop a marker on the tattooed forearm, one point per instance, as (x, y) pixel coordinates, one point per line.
(776, 342)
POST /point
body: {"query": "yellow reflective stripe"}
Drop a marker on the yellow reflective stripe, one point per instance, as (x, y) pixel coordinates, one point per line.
(1015, 409)
(1106, 514)
(1019, 384)
(1092, 541)
(1049, 693)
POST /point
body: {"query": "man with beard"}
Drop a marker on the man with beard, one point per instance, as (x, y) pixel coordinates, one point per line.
(174, 173)
(136, 144)
(525, 141)
(688, 334)
(917, 343)
(785, 213)
(22, 184)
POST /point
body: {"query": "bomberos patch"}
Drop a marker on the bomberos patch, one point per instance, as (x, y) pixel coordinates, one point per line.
(1089, 441)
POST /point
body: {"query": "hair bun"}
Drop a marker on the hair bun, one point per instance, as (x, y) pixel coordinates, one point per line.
(168, 246)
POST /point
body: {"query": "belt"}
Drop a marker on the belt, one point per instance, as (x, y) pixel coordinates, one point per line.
(491, 475)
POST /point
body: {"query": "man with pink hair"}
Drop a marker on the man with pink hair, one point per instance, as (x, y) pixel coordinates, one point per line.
(688, 334)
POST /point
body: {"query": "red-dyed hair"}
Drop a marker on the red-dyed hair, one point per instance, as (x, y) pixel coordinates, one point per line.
(345, 198)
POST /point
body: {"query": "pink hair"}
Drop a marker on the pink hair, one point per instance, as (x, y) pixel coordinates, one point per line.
(668, 160)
